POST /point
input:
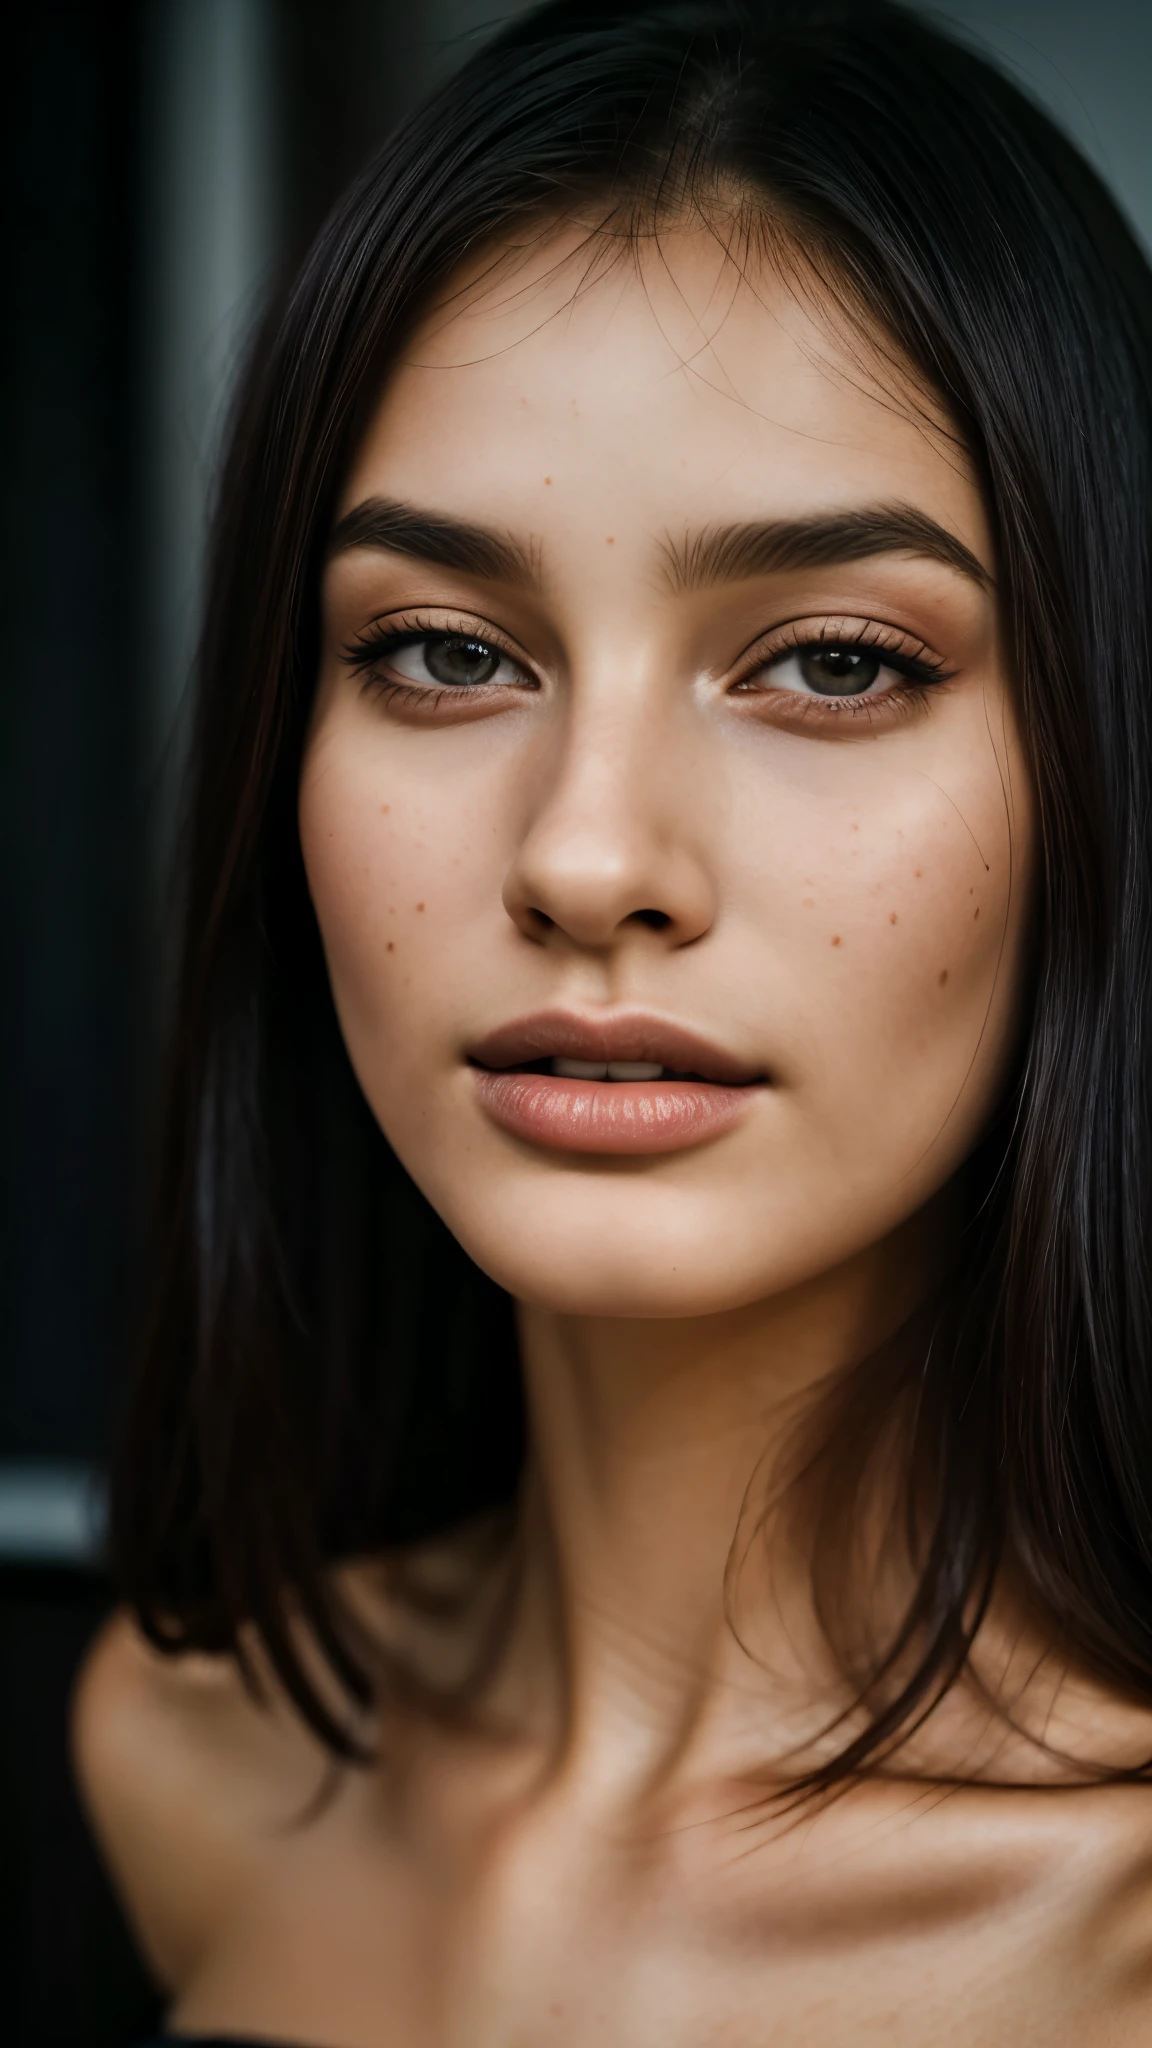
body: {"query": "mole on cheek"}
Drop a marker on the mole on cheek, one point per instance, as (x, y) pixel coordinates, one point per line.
(836, 939)
(391, 945)
(419, 906)
(942, 976)
(891, 917)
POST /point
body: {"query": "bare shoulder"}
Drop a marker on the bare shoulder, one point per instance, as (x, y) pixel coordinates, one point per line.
(183, 1772)
(1116, 1930)
(188, 1778)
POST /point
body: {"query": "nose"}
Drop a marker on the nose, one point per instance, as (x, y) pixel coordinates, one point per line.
(616, 834)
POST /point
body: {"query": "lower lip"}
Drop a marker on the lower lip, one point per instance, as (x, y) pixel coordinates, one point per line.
(632, 1117)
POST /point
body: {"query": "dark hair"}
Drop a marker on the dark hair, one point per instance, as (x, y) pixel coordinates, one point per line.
(326, 1372)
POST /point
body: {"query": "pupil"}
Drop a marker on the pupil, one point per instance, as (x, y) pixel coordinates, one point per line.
(839, 671)
(455, 660)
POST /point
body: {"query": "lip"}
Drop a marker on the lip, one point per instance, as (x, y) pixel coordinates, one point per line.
(628, 1035)
(708, 1091)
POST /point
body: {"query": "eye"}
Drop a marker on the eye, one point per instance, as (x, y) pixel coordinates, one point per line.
(845, 667)
(451, 660)
(830, 670)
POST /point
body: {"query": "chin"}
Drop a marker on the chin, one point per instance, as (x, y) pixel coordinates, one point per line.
(629, 1250)
(615, 1288)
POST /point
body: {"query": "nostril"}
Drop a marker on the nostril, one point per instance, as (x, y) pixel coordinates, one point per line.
(656, 920)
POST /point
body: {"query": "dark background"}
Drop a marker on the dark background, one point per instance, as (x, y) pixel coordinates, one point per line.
(163, 161)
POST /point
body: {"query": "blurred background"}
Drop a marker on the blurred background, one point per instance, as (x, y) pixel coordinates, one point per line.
(165, 160)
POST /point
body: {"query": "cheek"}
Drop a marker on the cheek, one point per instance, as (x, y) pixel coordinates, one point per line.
(898, 921)
(394, 885)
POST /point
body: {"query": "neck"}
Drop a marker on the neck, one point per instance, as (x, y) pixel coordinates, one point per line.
(654, 1451)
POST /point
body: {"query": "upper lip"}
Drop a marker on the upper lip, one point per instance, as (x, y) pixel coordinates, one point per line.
(627, 1035)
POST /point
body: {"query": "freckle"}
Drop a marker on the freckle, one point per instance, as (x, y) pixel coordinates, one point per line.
(917, 872)
(385, 808)
(942, 977)
(836, 939)
(808, 903)
(547, 479)
(971, 892)
(391, 946)
(891, 917)
(611, 539)
(419, 906)
(855, 828)
(975, 913)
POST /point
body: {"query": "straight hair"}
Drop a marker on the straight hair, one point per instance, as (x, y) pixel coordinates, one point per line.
(326, 1374)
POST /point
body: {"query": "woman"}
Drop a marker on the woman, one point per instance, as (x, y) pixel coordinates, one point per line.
(638, 1514)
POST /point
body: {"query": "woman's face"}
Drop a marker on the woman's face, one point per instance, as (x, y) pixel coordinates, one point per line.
(664, 809)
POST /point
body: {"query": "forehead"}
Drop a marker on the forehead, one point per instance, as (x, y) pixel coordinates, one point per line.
(668, 378)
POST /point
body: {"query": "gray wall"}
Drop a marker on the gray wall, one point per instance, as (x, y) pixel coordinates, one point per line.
(1090, 63)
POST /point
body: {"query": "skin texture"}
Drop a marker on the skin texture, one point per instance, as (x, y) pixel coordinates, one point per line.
(820, 877)
(647, 811)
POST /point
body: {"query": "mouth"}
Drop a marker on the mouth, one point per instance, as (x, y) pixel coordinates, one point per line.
(629, 1084)
(606, 1070)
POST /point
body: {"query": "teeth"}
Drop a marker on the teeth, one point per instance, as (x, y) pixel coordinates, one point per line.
(608, 1070)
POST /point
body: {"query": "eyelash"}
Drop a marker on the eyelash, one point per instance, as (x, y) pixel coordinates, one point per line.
(919, 671)
(377, 642)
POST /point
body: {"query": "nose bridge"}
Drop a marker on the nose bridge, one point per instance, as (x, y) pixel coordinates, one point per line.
(612, 839)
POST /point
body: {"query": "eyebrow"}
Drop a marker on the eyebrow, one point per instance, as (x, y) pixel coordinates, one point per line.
(434, 537)
(729, 554)
(721, 554)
